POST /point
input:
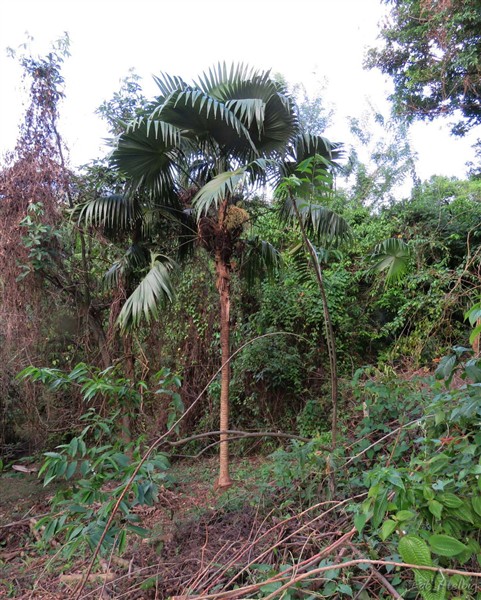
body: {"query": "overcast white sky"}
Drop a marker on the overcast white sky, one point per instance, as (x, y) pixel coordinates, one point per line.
(306, 40)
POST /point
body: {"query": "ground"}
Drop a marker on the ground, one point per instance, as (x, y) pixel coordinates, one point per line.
(190, 526)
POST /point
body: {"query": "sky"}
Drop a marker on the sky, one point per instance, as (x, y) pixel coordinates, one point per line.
(319, 43)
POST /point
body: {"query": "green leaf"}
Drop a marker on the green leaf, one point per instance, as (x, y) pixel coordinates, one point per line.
(435, 508)
(474, 313)
(360, 521)
(404, 515)
(415, 551)
(345, 590)
(73, 447)
(450, 500)
(460, 583)
(71, 470)
(217, 189)
(269, 588)
(445, 545)
(138, 530)
(475, 334)
(154, 289)
(473, 371)
(476, 504)
(379, 509)
(387, 528)
(463, 512)
(391, 255)
(445, 369)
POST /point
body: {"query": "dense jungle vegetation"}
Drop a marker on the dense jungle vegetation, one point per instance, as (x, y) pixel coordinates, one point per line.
(238, 361)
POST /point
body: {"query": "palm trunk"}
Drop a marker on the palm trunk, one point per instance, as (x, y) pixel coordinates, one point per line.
(129, 362)
(330, 339)
(223, 273)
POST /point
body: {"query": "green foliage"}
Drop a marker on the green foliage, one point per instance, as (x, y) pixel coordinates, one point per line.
(428, 501)
(125, 104)
(98, 473)
(302, 469)
(384, 400)
(432, 51)
(40, 239)
(98, 464)
(312, 421)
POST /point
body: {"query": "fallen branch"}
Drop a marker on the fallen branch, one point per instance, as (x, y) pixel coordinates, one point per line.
(6, 556)
(261, 556)
(241, 592)
(375, 573)
(75, 577)
(25, 521)
(243, 434)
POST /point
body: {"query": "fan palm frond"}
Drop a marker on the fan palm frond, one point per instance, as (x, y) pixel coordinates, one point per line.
(154, 290)
(217, 189)
(258, 101)
(259, 259)
(168, 84)
(321, 223)
(200, 115)
(115, 212)
(149, 154)
(215, 81)
(392, 257)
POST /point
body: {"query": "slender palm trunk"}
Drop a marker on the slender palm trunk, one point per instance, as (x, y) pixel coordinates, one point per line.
(223, 281)
(129, 362)
(223, 286)
(330, 339)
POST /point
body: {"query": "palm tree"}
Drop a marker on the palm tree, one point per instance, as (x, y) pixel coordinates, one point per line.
(311, 181)
(189, 162)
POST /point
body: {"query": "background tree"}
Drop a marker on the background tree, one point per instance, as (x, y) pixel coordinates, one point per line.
(432, 51)
(381, 160)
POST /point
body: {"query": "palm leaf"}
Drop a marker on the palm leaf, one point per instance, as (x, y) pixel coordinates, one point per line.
(217, 189)
(303, 266)
(391, 256)
(149, 154)
(219, 78)
(258, 101)
(137, 257)
(259, 259)
(168, 84)
(201, 116)
(321, 223)
(154, 290)
(113, 212)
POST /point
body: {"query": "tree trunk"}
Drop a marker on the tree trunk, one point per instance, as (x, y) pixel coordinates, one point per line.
(129, 362)
(330, 339)
(223, 272)
(223, 287)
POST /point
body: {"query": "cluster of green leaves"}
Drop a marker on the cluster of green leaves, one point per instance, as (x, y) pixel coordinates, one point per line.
(301, 470)
(40, 239)
(426, 505)
(97, 471)
(99, 465)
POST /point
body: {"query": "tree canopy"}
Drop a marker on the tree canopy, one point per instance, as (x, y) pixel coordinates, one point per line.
(432, 51)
